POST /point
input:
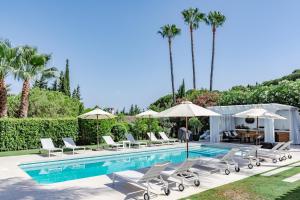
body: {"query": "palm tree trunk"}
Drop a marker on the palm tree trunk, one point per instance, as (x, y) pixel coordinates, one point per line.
(3, 98)
(193, 58)
(171, 65)
(23, 110)
(212, 59)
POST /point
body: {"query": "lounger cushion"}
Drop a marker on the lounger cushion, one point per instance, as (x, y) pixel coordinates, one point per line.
(131, 175)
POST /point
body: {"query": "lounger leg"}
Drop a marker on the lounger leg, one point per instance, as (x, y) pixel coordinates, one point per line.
(73, 151)
(114, 178)
(148, 186)
(49, 153)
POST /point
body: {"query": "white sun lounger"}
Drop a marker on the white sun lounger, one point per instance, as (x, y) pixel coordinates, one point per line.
(284, 151)
(109, 141)
(47, 144)
(70, 144)
(132, 141)
(166, 138)
(144, 180)
(183, 173)
(220, 164)
(250, 154)
(154, 140)
(272, 154)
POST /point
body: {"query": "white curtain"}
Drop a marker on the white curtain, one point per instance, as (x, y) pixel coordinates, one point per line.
(295, 125)
(214, 123)
(229, 123)
(269, 130)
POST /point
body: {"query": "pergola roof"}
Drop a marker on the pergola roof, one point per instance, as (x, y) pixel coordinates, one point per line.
(233, 109)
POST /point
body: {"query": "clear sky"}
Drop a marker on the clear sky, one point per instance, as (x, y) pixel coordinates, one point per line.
(118, 59)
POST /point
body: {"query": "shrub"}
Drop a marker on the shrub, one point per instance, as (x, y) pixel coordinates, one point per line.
(118, 131)
(45, 104)
(88, 130)
(19, 134)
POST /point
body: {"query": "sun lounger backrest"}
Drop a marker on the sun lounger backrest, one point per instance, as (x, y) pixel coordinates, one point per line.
(69, 142)
(152, 136)
(279, 144)
(230, 154)
(163, 136)
(154, 171)
(186, 165)
(108, 140)
(130, 137)
(285, 146)
(47, 143)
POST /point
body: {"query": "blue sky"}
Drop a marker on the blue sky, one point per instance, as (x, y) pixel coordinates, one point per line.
(118, 59)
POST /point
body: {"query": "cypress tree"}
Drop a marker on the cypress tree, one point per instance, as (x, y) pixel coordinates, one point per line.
(54, 85)
(181, 90)
(67, 89)
(61, 85)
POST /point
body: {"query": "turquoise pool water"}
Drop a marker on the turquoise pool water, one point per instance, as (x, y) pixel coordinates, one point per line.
(71, 169)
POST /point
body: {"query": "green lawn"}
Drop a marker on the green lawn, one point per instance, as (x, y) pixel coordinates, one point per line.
(256, 188)
(35, 151)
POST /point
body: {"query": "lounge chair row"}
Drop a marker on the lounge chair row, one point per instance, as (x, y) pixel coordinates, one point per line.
(47, 144)
(187, 173)
(132, 142)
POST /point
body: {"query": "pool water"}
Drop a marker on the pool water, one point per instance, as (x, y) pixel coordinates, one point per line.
(71, 169)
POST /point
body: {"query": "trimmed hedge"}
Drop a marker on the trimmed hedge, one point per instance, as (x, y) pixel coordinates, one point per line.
(88, 130)
(20, 134)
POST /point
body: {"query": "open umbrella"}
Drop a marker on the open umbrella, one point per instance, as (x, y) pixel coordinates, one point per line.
(97, 114)
(258, 113)
(147, 114)
(185, 110)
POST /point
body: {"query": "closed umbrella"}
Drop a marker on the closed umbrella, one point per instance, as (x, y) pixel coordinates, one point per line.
(185, 110)
(97, 114)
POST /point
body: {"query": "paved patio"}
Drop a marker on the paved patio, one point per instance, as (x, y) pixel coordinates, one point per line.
(17, 185)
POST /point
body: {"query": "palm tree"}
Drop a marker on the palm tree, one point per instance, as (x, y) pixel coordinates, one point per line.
(215, 19)
(7, 58)
(31, 65)
(169, 31)
(192, 17)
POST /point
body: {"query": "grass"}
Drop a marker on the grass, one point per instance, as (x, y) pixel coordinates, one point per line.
(255, 188)
(36, 151)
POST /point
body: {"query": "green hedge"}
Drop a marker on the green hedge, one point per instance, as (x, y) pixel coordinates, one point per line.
(88, 130)
(19, 134)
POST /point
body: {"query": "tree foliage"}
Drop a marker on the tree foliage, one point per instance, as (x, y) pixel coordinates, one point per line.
(45, 104)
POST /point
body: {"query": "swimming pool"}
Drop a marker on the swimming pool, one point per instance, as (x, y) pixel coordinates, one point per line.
(71, 169)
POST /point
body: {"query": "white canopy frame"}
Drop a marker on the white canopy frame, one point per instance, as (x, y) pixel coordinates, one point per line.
(226, 121)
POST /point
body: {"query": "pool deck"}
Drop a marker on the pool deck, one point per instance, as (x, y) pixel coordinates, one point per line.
(15, 184)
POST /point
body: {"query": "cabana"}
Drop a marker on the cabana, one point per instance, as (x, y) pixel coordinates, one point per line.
(273, 130)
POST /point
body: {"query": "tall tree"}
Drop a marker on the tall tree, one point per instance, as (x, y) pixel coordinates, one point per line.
(170, 31)
(41, 83)
(192, 17)
(61, 82)
(181, 90)
(76, 93)
(7, 59)
(31, 65)
(215, 19)
(67, 89)
(54, 85)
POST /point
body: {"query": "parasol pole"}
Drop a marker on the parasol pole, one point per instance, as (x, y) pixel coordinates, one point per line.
(97, 133)
(187, 137)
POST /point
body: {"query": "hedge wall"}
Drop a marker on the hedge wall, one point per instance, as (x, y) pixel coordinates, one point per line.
(19, 134)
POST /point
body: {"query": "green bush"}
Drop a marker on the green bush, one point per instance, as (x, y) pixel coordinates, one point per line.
(118, 131)
(88, 130)
(19, 134)
(46, 104)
